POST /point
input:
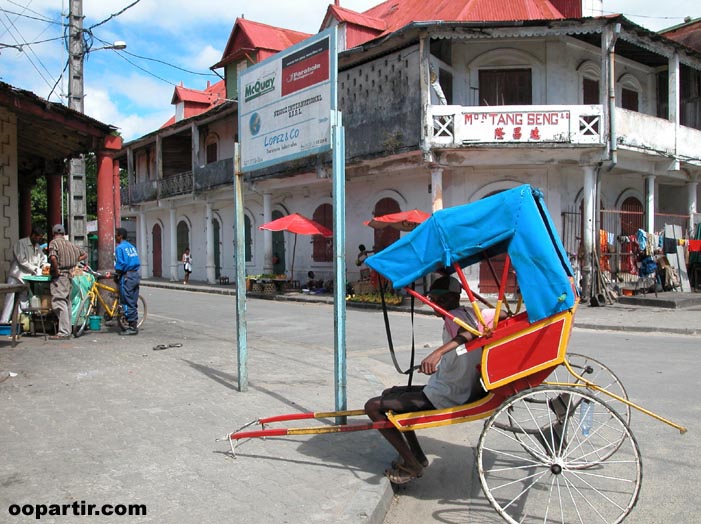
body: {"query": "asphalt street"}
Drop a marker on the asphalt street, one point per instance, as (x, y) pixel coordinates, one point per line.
(108, 420)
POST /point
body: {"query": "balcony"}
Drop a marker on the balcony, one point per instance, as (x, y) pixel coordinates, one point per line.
(215, 174)
(174, 185)
(141, 192)
(458, 126)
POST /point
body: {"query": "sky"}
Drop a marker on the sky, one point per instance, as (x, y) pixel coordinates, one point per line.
(174, 41)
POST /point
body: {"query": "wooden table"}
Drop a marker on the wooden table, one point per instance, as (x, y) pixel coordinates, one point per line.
(13, 288)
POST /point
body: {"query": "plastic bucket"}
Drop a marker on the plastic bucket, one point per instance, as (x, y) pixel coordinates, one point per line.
(94, 322)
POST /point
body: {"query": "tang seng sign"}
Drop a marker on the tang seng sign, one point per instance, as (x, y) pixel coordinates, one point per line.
(532, 125)
(285, 103)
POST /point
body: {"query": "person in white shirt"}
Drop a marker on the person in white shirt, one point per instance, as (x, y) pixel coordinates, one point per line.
(28, 259)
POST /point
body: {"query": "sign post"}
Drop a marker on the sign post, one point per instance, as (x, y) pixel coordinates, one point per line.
(288, 110)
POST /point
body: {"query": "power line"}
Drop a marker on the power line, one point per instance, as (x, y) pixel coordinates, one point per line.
(47, 20)
(9, 31)
(113, 15)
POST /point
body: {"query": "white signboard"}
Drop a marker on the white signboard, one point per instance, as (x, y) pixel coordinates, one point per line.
(285, 103)
(532, 125)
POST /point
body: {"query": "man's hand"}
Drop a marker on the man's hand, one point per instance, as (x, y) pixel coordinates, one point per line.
(429, 365)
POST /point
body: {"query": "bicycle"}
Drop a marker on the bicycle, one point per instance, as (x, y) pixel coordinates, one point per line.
(112, 307)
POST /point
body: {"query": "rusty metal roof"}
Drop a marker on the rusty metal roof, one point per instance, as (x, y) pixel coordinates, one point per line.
(399, 13)
(49, 132)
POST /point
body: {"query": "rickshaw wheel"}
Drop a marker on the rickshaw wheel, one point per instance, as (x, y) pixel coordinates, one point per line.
(556, 469)
(596, 372)
(599, 374)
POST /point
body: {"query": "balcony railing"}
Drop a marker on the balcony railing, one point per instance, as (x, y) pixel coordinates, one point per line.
(175, 185)
(141, 192)
(215, 174)
(455, 126)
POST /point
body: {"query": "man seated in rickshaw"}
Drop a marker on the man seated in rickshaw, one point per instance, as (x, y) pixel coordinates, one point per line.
(454, 382)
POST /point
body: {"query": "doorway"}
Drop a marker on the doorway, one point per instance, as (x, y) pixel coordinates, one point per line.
(156, 234)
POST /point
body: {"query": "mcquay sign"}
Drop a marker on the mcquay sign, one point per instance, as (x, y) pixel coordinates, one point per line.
(259, 88)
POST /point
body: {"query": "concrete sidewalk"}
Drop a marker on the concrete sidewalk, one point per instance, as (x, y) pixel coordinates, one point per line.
(668, 312)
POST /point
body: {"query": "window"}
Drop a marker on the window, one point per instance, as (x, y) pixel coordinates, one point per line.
(385, 237)
(629, 92)
(211, 152)
(183, 237)
(498, 87)
(590, 91)
(629, 99)
(323, 247)
(631, 216)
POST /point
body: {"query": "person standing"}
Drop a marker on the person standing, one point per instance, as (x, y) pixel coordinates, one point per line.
(187, 265)
(127, 267)
(63, 257)
(27, 259)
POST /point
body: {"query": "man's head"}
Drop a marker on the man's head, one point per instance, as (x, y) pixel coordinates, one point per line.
(58, 229)
(445, 292)
(120, 234)
(36, 235)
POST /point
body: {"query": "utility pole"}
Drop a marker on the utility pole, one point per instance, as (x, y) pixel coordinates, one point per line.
(76, 178)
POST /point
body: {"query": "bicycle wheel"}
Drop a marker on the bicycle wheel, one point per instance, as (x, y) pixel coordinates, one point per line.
(82, 315)
(554, 472)
(142, 314)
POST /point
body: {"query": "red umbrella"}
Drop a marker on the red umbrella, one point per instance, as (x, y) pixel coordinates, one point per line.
(403, 221)
(297, 224)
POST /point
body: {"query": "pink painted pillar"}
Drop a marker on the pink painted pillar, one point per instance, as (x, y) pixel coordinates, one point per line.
(105, 202)
(53, 202)
(117, 194)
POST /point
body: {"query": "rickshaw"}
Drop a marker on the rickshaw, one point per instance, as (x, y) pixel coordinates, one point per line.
(553, 449)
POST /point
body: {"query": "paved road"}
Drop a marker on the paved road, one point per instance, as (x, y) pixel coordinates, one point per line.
(658, 372)
(106, 419)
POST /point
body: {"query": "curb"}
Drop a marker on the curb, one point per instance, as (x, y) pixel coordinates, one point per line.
(405, 309)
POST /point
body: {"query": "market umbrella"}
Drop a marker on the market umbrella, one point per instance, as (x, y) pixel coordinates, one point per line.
(403, 221)
(297, 224)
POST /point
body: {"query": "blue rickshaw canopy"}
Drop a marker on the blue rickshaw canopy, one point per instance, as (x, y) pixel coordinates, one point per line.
(515, 221)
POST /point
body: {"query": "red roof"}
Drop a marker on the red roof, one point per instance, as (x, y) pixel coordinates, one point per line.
(250, 37)
(351, 17)
(197, 102)
(399, 13)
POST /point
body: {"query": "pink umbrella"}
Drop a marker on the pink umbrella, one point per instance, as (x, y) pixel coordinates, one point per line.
(297, 224)
(403, 221)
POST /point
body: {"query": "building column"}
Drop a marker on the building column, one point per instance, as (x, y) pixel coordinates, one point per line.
(691, 198)
(436, 188)
(588, 221)
(209, 243)
(105, 212)
(650, 203)
(173, 231)
(267, 235)
(142, 243)
(54, 196)
(106, 201)
(117, 187)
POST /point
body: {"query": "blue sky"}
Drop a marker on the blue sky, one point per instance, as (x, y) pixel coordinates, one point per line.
(173, 41)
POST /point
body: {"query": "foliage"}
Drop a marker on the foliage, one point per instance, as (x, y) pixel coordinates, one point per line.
(376, 298)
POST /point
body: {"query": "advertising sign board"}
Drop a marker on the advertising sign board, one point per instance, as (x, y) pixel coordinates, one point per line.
(285, 103)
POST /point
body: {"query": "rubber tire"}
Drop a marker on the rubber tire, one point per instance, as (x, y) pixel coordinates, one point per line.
(83, 310)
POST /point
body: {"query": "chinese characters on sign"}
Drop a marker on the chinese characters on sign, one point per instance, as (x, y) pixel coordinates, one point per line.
(514, 126)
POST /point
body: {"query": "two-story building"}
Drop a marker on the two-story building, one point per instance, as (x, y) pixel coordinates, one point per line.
(446, 104)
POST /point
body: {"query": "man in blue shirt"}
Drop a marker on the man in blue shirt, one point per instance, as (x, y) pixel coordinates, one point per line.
(127, 272)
